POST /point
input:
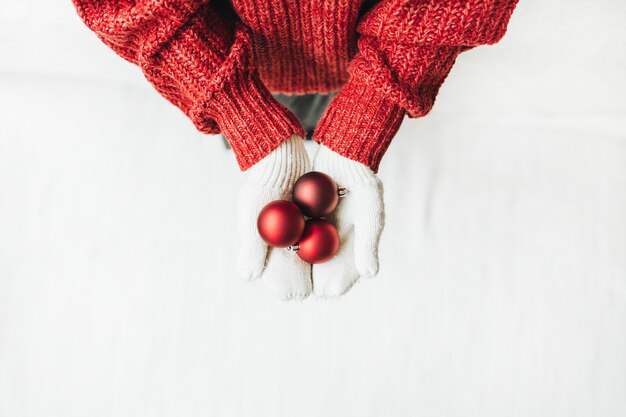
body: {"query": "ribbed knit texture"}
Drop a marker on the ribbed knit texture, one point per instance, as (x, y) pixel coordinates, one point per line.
(281, 168)
(252, 133)
(344, 171)
(218, 61)
(360, 123)
(302, 46)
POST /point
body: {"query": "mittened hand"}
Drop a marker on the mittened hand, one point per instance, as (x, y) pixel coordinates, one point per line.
(338, 236)
(359, 219)
(270, 179)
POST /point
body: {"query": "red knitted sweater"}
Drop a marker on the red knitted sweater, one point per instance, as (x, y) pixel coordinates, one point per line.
(218, 61)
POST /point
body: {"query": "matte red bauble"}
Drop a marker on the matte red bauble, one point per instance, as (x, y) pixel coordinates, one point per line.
(319, 242)
(316, 194)
(280, 223)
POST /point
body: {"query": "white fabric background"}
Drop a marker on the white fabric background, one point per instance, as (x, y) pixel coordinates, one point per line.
(503, 283)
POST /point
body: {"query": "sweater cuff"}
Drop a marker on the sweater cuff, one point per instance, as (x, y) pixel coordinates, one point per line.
(360, 123)
(221, 92)
(253, 122)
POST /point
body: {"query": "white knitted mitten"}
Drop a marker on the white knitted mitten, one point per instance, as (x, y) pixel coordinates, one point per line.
(272, 178)
(359, 218)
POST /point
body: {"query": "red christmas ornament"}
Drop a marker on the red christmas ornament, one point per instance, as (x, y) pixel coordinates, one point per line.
(316, 194)
(280, 223)
(319, 242)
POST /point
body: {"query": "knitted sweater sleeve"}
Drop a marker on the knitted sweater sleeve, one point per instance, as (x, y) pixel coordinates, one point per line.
(406, 50)
(201, 62)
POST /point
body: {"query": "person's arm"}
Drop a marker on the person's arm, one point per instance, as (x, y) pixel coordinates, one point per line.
(201, 62)
(406, 50)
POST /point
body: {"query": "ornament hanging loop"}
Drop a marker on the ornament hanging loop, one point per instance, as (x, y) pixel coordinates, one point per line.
(293, 248)
(342, 192)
